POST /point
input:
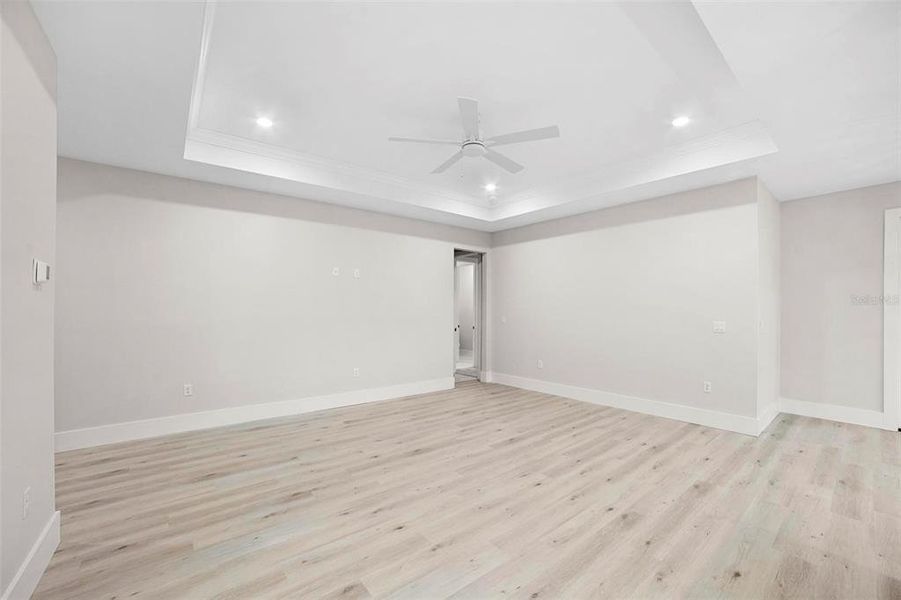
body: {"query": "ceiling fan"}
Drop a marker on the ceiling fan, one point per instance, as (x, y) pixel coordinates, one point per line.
(474, 146)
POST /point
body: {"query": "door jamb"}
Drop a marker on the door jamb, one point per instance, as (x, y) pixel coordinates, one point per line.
(891, 320)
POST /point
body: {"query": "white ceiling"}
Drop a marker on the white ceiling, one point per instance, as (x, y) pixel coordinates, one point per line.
(804, 94)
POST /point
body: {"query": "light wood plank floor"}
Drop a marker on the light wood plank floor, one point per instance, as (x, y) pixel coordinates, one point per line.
(483, 492)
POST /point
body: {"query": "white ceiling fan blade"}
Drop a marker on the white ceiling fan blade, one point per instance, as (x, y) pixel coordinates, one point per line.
(469, 117)
(424, 141)
(447, 164)
(503, 162)
(529, 135)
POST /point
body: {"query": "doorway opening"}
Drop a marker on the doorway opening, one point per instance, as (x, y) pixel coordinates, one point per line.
(467, 315)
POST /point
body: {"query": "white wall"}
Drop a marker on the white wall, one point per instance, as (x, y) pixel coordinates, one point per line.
(27, 213)
(832, 251)
(622, 300)
(164, 281)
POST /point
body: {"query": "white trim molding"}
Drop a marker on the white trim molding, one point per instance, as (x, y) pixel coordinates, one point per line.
(147, 428)
(834, 412)
(710, 418)
(680, 412)
(29, 574)
(767, 416)
(891, 320)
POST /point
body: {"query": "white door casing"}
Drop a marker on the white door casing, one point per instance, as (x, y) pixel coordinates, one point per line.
(891, 321)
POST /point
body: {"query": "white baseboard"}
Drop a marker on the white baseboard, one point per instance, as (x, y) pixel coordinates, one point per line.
(679, 412)
(834, 412)
(135, 430)
(767, 416)
(29, 574)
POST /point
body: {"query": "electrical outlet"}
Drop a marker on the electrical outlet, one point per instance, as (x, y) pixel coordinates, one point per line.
(707, 387)
(356, 273)
(26, 502)
(356, 371)
(336, 271)
(540, 364)
(189, 389)
(719, 327)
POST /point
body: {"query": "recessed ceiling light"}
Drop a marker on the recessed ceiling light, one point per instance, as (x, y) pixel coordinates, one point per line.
(490, 187)
(265, 122)
(681, 121)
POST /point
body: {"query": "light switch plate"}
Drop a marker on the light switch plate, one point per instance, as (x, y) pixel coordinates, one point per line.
(40, 272)
(719, 327)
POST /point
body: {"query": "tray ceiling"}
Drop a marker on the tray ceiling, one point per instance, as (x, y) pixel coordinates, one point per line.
(336, 79)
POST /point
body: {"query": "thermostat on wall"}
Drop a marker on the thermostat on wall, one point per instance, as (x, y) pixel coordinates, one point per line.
(40, 271)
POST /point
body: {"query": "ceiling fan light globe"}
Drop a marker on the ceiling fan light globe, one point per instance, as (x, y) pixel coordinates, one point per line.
(473, 149)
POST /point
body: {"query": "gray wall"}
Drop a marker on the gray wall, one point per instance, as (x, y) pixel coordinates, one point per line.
(832, 249)
(27, 213)
(164, 281)
(622, 300)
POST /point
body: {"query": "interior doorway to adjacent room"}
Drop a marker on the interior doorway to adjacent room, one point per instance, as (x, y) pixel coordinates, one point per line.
(467, 314)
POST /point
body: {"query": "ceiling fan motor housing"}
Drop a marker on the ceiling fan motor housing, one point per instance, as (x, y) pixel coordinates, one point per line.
(473, 148)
